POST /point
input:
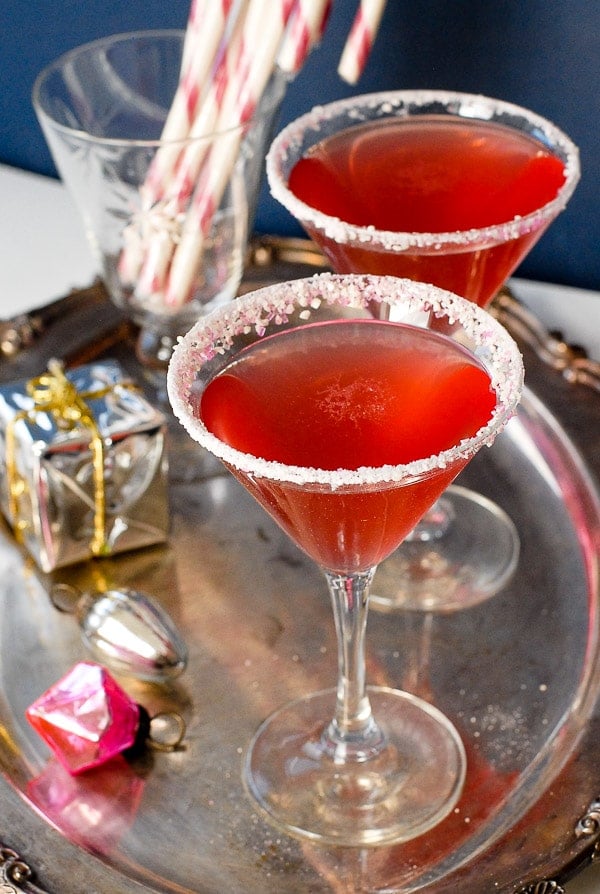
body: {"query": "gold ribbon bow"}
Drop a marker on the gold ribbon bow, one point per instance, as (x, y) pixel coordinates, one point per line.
(54, 393)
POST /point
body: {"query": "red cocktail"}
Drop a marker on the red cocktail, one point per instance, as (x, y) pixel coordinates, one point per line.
(346, 428)
(346, 395)
(439, 187)
(429, 175)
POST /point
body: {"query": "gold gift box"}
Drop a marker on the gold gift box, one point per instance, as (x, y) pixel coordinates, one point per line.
(85, 464)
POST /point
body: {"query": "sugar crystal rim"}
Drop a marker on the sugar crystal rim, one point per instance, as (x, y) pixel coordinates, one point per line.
(398, 102)
(214, 334)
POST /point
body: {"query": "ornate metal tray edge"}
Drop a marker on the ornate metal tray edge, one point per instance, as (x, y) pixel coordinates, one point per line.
(15, 873)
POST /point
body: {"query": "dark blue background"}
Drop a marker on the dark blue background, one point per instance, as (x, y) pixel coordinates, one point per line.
(543, 54)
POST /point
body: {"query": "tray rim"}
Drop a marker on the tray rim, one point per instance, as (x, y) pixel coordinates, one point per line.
(15, 869)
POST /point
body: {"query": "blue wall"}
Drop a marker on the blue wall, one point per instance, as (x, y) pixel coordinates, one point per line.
(543, 54)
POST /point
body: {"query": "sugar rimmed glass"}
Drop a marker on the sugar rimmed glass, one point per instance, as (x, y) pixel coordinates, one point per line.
(466, 549)
(354, 765)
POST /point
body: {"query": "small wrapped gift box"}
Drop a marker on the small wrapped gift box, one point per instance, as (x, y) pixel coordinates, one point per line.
(85, 465)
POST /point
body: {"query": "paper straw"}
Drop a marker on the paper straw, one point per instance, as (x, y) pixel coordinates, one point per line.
(202, 14)
(207, 119)
(264, 26)
(263, 31)
(174, 182)
(360, 39)
(154, 270)
(204, 35)
(305, 30)
(231, 48)
(187, 256)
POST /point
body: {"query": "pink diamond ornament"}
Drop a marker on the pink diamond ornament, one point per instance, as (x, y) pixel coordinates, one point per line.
(85, 718)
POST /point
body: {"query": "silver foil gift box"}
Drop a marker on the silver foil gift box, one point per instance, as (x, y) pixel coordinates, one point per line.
(84, 464)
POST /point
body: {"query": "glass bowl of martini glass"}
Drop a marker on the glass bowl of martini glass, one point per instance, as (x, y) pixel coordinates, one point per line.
(447, 188)
(346, 427)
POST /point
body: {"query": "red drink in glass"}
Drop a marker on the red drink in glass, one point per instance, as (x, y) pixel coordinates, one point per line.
(429, 174)
(349, 394)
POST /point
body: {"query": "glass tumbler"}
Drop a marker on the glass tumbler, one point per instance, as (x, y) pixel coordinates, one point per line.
(167, 220)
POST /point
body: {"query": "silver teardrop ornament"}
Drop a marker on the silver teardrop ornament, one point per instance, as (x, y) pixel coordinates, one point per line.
(126, 630)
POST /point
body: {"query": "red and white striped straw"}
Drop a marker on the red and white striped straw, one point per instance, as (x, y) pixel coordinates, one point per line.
(264, 26)
(154, 272)
(360, 39)
(304, 31)
(231, 49)
(172, 176)
(207, 121)
(204, 35)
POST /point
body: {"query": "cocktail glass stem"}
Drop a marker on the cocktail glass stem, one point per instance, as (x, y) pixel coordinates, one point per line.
(347, 778)
(353, 734)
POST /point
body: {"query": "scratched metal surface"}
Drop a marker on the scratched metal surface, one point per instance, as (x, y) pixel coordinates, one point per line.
(519, 675)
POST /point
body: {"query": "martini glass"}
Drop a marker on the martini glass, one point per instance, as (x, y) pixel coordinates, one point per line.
(446, 188)
(295, 388)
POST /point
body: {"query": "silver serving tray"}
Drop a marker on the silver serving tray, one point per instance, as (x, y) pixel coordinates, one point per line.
(519, 675)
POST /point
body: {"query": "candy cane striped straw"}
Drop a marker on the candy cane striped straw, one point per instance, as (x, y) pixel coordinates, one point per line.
(360, 39)
(304, 31)
(152, 277)
(264, 27)
(207, 119)
(204, 34)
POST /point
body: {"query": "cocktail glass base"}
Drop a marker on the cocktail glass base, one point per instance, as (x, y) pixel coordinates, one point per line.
(472, 560)
(408, 786)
